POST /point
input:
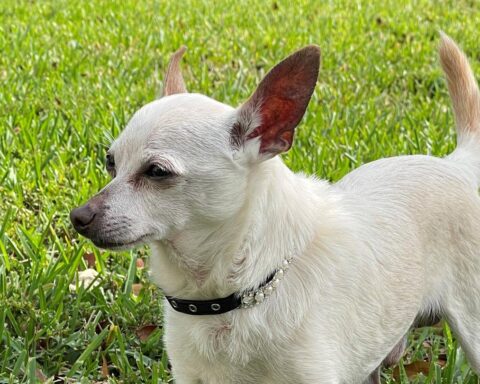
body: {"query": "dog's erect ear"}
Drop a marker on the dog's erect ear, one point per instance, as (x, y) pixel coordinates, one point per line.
(173, 78)
(279, 103)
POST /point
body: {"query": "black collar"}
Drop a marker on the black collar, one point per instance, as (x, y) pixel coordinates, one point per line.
(205, 307)
(226, 304)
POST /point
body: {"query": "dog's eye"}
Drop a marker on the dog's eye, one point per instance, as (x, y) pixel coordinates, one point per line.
(110, 163)
(157, 172)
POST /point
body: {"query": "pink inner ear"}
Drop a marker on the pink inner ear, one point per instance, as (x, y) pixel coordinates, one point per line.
(279, 118)
(282, 98)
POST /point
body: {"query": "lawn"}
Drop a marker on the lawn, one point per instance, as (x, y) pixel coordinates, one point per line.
(73, 72)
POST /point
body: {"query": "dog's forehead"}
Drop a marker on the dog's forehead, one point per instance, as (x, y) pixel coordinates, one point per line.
(170, 120)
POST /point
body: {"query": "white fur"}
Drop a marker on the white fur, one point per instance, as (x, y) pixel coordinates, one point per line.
(394, 239)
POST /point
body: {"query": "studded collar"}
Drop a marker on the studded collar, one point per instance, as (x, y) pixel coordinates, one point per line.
(245, 299)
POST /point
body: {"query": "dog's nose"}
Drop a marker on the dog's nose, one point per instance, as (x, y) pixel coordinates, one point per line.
(82, 217)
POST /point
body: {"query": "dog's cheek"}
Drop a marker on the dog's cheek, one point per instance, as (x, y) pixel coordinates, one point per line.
(224, 198)
(163, 211)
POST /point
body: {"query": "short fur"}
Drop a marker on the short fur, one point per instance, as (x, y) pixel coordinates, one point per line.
(396, 240)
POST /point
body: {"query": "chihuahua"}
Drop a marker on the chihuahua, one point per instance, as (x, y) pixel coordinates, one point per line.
(276, 277)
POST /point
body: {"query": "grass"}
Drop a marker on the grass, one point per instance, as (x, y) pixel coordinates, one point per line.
(71, 74)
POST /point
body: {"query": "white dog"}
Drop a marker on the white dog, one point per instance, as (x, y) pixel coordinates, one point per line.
(298, 280)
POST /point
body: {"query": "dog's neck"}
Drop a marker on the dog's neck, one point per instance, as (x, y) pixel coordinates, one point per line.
(214, 260)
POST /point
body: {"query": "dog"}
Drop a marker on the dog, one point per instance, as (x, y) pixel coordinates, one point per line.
(276, 277)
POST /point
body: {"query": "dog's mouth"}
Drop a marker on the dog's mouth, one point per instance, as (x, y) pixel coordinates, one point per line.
(120, 245)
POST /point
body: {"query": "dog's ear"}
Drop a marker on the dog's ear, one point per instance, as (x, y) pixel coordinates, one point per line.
(173, 78)
(279, 103)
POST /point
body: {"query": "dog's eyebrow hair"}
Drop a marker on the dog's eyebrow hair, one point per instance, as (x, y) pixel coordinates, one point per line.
(169, 165)
(138, 179)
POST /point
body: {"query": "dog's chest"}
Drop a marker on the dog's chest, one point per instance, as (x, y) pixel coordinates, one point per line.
(221, 348)
(210, 337)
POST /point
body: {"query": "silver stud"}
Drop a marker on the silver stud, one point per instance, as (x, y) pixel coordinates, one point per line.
(192, 308)
(268, 290)
(247, 299)
(174, 304)
(246, 302)
(259, 297)
(286, 263)
(279, 274)
(275, 283)
(215, 307)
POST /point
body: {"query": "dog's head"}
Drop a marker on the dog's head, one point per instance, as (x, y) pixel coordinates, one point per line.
(184, 159)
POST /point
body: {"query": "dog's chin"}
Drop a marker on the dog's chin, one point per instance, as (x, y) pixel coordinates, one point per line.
(113, 245)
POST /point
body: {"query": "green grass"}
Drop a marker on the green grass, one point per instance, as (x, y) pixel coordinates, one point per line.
(71, 74)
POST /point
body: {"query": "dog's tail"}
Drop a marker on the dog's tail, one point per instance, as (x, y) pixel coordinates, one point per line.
(463, 90)
(465, 97)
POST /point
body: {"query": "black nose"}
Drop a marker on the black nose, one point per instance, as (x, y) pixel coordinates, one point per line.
(82, 217)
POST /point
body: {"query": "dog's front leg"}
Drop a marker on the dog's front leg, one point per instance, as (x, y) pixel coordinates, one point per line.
(179, 378)
(374, 377)
(392, 358)
(185, 372)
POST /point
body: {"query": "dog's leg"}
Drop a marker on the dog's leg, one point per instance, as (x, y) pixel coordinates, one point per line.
(184, 379)
(461, 303)
(396, 354)
(374, 377)
(392, 358)
(463, 316)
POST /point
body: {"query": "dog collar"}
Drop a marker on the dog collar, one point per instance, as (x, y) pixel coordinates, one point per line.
(246, 299)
